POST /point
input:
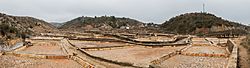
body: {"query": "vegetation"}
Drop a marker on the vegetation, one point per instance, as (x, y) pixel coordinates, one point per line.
(200, 34)
(189, 22)
(5, 29)
(97, 22)
(246, 44)
(15, 27)
(9, 32)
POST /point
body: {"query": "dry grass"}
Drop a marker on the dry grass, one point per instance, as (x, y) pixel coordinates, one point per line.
(246, 44)
(244, 60)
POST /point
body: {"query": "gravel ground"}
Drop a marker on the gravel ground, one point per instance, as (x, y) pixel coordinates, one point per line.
(181, 61)
(8, 61)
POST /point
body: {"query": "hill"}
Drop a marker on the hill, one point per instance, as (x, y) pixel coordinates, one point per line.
(56, 24)
(13, 27)
(101, 23)
(200, 23)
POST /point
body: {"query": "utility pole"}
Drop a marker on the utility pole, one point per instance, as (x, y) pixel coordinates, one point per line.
(203, 8)
(203, 11)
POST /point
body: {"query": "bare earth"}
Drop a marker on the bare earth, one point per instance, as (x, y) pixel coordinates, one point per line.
(207, 50)
(86, 44)
(140, 56)
(20, 62)
(181, 61)
(44, 48)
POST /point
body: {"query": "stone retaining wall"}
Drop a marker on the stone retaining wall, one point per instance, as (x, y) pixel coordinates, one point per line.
(201, 44)
(106, 48)
(132, 41)
(232, 61)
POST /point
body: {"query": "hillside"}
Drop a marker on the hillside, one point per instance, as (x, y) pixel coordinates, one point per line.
(102, 23)
(13, 27)
(56, 24)
(200, 23)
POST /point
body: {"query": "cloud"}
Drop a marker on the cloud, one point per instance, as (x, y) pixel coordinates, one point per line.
(156, 11)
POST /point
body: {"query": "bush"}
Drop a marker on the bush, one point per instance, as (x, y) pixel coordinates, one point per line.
(200, 34)
(5, 29)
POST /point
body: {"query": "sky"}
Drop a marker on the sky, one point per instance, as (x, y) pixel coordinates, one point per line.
(156, 11)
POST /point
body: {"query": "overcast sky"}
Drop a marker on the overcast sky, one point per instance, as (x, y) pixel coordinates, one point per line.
(156, 11)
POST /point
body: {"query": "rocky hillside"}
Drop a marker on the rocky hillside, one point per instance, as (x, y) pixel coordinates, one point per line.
(197, 23)
(101, 23)
(16, 26)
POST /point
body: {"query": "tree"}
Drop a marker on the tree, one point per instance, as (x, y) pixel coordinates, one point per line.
(113, 18)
